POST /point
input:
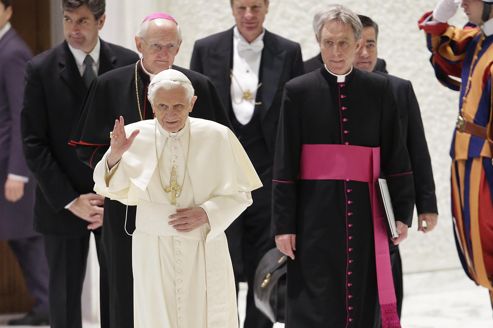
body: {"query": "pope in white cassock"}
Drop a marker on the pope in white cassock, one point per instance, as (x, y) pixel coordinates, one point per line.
(190, 179)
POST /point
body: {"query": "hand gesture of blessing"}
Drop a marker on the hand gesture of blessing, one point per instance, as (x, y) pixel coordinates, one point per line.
(119, 142)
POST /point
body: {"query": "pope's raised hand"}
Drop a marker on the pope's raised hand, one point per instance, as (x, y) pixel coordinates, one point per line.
(120, 143)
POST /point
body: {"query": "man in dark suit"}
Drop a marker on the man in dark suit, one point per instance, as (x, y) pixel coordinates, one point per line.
(249, 67)
(123, 92)
(17, 196)
(66, 210)
(414, 135)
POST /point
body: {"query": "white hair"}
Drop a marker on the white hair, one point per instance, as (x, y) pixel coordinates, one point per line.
(167, 80)
(144, 26)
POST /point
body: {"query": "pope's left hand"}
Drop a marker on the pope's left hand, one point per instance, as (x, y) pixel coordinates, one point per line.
(188, 219)
(402, 231)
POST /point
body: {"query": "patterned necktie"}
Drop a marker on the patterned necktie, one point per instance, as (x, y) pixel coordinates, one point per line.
(89, 74)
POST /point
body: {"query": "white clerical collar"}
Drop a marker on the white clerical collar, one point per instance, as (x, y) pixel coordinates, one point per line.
(258, 43)
(340, 78)
(4, 30)
(178, 134)
(80, 55)
(151, 76)
(488, 27)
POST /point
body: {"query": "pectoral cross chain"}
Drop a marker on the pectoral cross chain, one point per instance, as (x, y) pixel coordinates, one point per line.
(174, 188)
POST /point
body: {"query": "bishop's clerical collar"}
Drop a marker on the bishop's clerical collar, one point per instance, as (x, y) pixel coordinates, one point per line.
(151, 76)
(488, 27)
(178, 134)
(340, 78)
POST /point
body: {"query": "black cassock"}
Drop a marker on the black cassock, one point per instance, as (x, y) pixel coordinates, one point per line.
(111, 95)
(332, 281)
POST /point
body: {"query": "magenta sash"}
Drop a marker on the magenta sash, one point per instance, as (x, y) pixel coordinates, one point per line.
(357, 163)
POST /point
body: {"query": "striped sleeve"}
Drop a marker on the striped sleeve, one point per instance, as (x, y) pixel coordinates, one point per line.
(448, 45)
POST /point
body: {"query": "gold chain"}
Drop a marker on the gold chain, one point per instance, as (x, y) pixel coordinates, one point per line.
(137, 90)
(174, 188)
(246, 95)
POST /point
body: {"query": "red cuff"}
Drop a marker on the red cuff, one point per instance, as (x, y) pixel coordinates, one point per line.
(429, 26)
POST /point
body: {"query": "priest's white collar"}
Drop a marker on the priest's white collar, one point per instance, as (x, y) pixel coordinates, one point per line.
(151, 76)
(488, 27)
(178, 134)
(340, 78)
(4, 30)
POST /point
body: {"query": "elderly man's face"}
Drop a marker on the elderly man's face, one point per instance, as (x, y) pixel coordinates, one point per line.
(338, 47)
(249, 17)
(81, 28)
(159, 45)
(473, 9)
(366, 58)
(171, 108)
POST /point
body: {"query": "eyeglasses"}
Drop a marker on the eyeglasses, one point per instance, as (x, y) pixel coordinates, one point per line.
(156, 48)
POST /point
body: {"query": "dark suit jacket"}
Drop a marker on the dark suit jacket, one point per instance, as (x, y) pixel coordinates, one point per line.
(315, 63)
(54, 94)
(281, 61)
(15, 218)
(414, 136)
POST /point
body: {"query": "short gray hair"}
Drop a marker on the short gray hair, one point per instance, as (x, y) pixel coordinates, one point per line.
(338, 13)
(144, 26)
(167, 80)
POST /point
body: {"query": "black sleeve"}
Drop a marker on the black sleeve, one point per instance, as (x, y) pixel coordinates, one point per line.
(36, 129)
(298, 67)
(424, 186)
(394, 158)
(286, 168)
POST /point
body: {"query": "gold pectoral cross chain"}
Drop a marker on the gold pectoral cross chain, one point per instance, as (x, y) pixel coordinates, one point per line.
(174, 188)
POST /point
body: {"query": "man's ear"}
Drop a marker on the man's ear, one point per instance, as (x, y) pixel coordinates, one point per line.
(101, 21)
(192, 102)
(138, 43)
(359, 44)
(9, 11)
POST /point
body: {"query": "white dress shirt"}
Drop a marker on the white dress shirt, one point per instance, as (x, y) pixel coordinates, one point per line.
(245, 74)
(80, 55)
(4, 30)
